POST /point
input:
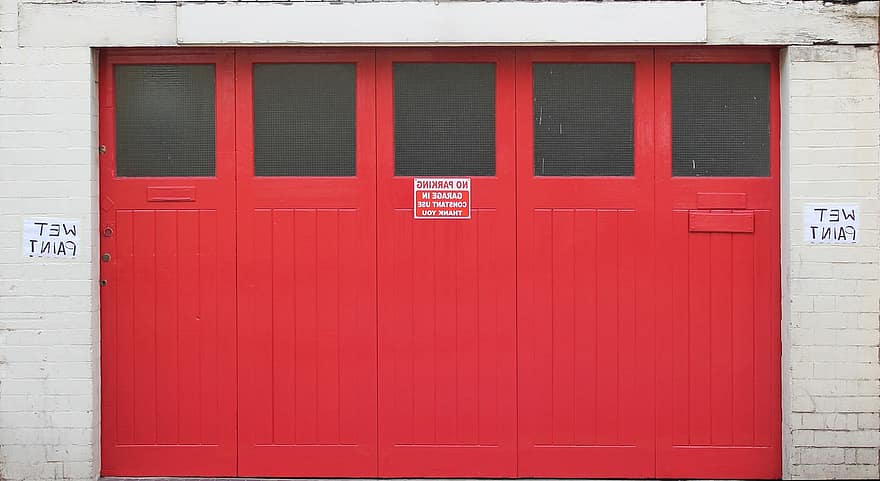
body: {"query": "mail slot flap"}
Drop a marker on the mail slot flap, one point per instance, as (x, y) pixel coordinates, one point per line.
(721, 200)
(722, 222)
(171, 194)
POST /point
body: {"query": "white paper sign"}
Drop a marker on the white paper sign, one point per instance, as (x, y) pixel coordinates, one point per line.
(50, 238)
(831, 223)
(442, 198)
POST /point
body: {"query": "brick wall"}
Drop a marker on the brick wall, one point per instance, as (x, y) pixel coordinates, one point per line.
(48, 309)
(834, 129)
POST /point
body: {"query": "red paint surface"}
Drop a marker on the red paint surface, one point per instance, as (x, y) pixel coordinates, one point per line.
(168, 348)
(717, 305)
(309, 327)
(447, 318)
(715, 221)
(584, 298)
(307, 298)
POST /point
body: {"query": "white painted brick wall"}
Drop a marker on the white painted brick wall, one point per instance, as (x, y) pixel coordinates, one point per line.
(48, 309)
(834, 107)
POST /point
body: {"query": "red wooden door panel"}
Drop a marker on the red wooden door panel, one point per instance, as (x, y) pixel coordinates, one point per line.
(447, 327)
(585, 324)
(718, 302)
(591, 319)
(168, 307)
(306, 286)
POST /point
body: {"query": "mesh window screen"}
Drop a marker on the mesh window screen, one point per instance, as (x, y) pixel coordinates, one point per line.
(721, 120)
(304, 119)
(444, 119)
(164, 120)
(583, 119)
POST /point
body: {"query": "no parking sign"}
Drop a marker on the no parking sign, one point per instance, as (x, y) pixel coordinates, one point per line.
(442, 198)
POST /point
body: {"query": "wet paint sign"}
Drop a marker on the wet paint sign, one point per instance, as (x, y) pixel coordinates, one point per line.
(50, 238)
(831, 223)
(442, 198)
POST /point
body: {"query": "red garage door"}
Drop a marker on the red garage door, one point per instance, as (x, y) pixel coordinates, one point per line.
(270, 306)
(717, 257)
(168, 239)
(585, 158)
(306, 263)
(447, 318)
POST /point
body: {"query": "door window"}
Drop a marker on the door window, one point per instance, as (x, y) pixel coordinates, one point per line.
(164, 120)
(583, 119)
(720, 120)
(304, 119)
(444, 119)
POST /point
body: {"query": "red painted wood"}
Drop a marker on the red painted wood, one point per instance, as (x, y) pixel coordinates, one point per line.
(447, 325)
(171, 194)
(168, 326)
(574, 327)
(718, 312)
(721, 222)
(307, 298)
(584, 275)
(721, 200)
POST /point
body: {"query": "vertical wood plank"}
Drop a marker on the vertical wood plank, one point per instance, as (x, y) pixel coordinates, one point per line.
(562, 297)
(608, 374)
(356, 351)
(585, 347)
(210, 233)
(445, 331)
(681, 329)
(277, 303)
(489, 328)
(305, 360)
(626, 339)
(766, 349)
(468, 321)
(125, 318)
(544, 320)
(743, 340)
(328, 326)
(720, 339)
(145, 327)
(166, 326)
(700, 288)
(189, 334)
(403, 318)
(424, 336)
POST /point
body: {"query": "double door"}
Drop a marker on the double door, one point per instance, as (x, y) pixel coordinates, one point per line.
(601, 314)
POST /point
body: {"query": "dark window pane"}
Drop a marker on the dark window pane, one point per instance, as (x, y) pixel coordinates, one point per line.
(721, 120)
(583, 119)
(164, 120)
(444, 119)
(304, 119)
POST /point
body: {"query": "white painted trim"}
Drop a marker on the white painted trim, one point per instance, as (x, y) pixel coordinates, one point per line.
(443, 23)
(716, 22)
(785, 255)
(787, 22)
(96, 25)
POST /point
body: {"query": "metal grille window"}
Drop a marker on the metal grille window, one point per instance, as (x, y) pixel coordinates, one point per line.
(721, 120)
(583, 119)
(164, 120)
(304, 119)
(444, 119)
